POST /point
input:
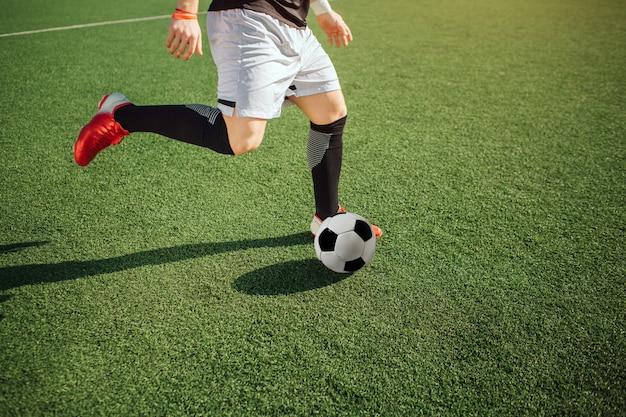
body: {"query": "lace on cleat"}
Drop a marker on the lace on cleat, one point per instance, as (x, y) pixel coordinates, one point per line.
(102, 131)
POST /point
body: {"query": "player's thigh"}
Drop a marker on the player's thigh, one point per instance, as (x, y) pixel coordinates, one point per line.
(322, 108)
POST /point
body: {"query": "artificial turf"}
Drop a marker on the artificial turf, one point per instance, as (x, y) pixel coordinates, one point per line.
(486, 137)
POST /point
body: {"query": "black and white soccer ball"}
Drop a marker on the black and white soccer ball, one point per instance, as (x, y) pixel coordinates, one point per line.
(345, 242)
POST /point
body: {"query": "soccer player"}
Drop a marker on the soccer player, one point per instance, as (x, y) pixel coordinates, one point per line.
(266, 57)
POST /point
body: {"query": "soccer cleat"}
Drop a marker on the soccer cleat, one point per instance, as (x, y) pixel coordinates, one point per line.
(101, 131)
(317, 222)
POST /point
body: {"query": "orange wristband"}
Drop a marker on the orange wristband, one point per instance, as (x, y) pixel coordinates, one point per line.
(184, 16)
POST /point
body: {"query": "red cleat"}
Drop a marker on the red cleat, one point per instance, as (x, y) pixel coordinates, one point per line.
(102, 131)
(316, 223)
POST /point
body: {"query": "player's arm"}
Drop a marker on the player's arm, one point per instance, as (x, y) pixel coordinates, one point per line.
(184, 37)
(332, 23)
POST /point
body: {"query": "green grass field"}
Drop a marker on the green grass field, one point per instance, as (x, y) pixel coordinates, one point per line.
(486, 137)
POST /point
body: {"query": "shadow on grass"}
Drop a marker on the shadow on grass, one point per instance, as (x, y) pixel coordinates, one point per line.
(15, 247)
(287, 278)
(257, 282)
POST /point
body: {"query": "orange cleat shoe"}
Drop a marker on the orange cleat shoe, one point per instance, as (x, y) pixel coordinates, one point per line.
(316, 222)
(102, 131)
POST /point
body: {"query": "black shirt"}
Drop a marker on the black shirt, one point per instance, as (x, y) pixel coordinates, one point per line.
(291, 12)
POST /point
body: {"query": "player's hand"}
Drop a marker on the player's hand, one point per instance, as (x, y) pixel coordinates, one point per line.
(184, 38)
(336, 29)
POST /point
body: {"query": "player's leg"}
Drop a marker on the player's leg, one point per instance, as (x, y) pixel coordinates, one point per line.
(327, 113)
(196, 124)
(317, 92)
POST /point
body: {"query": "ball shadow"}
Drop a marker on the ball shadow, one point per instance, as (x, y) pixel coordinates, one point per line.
(287, 278)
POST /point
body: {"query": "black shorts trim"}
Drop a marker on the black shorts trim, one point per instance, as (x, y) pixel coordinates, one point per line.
(227, 103)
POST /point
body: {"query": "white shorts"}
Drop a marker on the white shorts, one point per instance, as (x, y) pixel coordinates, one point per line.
(261, 62)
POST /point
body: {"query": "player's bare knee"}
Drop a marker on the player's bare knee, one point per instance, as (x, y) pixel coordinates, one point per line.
(339, 113)
(242, 148)
(245, 134)
(331, 116)
(244, 145)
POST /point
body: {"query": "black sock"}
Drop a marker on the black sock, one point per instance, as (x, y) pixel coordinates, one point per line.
(325, 153)
(193, 123)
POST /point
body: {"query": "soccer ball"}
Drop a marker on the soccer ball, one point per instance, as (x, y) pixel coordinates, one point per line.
(345, 242)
